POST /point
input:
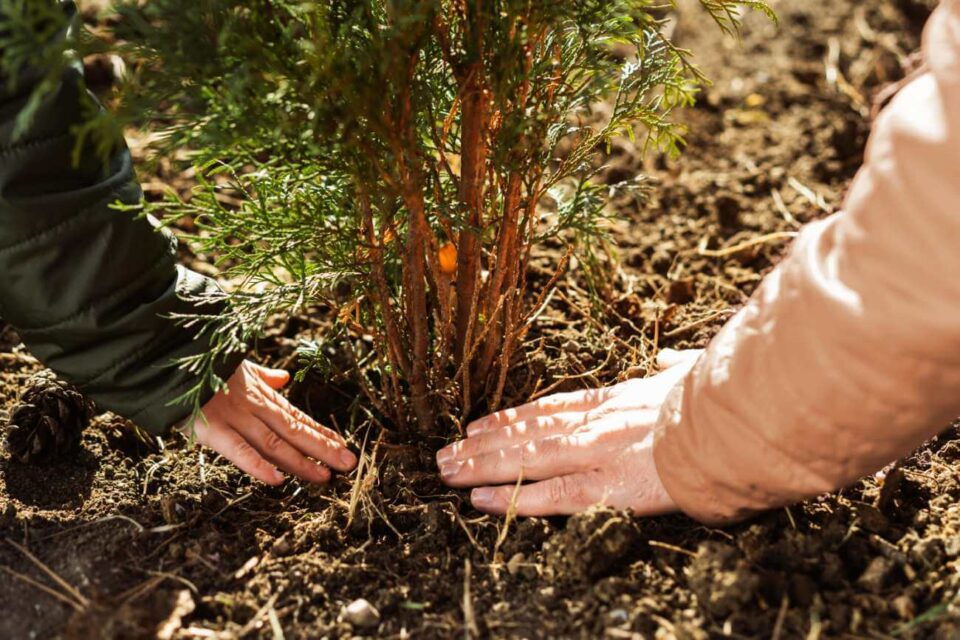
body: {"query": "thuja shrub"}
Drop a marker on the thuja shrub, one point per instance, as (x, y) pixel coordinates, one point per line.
(399, 160)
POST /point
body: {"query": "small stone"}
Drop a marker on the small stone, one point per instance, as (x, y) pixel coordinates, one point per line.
(360, 613)
(681, 291)
(875, 577)
(952, 547)
(515, 563)
(617, 617)
(571, 346)
(904, 607)
(281, 547)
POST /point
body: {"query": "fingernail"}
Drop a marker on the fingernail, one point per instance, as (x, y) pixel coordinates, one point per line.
(347, 459)
(449, 470)
(482, 496)
(445, 455)
(278, 476)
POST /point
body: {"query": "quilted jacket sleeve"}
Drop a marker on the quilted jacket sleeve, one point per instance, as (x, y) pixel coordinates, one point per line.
(90, 288)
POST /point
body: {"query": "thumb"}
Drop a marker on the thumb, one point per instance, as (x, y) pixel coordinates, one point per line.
(275, 378)
(668, 358)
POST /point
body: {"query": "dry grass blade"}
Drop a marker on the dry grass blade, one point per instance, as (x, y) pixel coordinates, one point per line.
(164, 575)
(66, 586)
(140, 590)
(470, 536)
(816, 625)
(470, 629)
(275, 627)
(511, 515)
(140, 528)
(697, 323)
(670, 547)
(366, 463)
(25, 358)
(793, 523)
(563, 379)
(47, 590)
(721, 253)
(809, 194)
(252, 623)
(782, 208)
(781, 617)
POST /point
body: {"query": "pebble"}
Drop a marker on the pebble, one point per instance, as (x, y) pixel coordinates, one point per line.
(281, 546)
(617, 617)
(571, 346)
(904, 607)
(515, 563)
(876, 575)
(547, 594)
(360, 613)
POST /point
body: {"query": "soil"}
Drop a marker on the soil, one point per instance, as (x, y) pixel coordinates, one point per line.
(168, 542)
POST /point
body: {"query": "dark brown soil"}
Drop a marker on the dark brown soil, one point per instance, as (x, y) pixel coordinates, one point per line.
(174, 544)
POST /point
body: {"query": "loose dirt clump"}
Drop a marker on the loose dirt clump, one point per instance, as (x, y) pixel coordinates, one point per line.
(722, 579)
(592, 544)
(171, 542)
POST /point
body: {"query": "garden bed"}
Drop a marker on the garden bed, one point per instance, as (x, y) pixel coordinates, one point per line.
(185, 544)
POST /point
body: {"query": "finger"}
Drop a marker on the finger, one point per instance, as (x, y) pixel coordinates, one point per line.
(549, 456)
(560, 402)
(302, 432)
(231, 445)
(273, 447)
(534, 460)
(667, 358)
(630, 482)
(560, 495)
(275, 378)
(268, 395)
(516, 434)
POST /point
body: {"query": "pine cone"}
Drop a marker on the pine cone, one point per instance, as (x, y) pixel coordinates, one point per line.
(48, 420)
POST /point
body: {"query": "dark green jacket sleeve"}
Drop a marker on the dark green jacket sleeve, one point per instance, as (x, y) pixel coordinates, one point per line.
(91, 288)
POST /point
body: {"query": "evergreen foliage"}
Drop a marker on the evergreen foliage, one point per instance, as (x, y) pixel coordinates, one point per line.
(410, 153)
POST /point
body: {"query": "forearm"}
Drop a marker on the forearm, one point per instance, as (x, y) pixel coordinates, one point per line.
(848, 356)
(90, 288)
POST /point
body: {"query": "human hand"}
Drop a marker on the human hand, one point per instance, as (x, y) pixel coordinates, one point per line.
(257, 429)
(582, 448)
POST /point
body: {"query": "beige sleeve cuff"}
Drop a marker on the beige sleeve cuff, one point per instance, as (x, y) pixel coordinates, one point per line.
(848, 355)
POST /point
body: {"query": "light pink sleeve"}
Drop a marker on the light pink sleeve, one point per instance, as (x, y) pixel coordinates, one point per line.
(848, 355)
